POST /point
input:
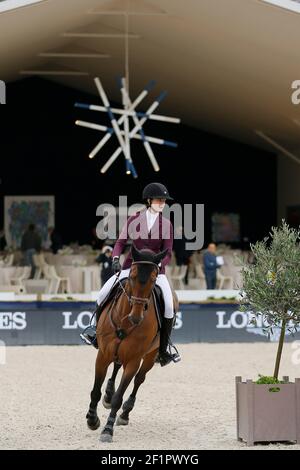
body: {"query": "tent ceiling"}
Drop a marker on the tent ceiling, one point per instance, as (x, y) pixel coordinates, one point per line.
(227, 65)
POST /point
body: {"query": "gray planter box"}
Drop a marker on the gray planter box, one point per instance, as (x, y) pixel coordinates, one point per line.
(266, 416)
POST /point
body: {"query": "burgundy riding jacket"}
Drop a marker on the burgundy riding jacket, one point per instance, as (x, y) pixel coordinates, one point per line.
(158, 239)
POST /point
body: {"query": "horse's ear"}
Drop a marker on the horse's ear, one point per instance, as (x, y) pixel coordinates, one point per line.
(136, 255)
(160, 256)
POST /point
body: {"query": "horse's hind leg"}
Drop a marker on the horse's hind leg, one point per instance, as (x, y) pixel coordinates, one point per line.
(116, 402)
(110, 388)
(93, 421)
(147, 364)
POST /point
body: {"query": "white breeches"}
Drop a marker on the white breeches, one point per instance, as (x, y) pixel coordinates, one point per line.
(162, 282)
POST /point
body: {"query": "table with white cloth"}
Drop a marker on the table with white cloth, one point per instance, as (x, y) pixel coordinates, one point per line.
(71, 260)
(6, 273)
(83, 279)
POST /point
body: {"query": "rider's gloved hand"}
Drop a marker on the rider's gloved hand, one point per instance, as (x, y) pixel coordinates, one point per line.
(116, 266)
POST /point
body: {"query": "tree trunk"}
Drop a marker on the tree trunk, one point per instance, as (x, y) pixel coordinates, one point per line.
(279, 350)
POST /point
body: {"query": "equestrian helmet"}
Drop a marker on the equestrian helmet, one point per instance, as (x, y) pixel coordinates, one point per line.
(156, 191)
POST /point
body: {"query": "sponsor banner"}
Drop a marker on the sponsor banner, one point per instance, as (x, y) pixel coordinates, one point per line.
(35, 323)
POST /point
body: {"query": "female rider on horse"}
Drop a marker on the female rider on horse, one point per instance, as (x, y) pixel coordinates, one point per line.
(148, 229)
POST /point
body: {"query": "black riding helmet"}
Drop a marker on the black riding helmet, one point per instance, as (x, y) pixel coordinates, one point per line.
(156, 191)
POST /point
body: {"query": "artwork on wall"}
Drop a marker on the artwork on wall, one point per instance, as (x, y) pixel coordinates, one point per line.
(20, 211)
(225, 227)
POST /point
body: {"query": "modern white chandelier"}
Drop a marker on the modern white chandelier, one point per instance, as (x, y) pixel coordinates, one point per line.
(120, 127)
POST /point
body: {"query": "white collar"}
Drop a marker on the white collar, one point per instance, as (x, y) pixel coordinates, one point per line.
(151, 218)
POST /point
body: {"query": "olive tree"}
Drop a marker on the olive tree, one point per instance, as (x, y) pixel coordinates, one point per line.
(271, 285)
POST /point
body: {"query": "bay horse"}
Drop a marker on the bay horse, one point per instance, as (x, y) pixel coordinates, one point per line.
(128, 336)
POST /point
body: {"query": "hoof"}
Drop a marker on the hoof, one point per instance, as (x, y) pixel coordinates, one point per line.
(105, 437)
(122, 422)
(93, 425)
(106, 404)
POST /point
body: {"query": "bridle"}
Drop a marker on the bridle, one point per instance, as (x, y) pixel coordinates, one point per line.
(133, 300)
(122, 333)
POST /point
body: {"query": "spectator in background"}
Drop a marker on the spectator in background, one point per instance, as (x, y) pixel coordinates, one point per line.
(210, 266)
(106, 260)
(56, 240)
(182, 255)
(31, 244)
(3, 243)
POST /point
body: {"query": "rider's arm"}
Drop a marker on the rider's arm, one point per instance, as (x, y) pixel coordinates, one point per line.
(122, 240)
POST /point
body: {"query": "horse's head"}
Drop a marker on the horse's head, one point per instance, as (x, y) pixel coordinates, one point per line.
(143, 273)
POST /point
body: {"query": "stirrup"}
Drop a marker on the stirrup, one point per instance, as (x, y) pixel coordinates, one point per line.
(165, 357)
(86, 338)
(175, 355)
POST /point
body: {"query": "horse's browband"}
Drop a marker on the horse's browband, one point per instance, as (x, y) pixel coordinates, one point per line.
(144, 262)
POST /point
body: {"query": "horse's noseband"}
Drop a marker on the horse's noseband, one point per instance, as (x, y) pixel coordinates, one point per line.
(139, 300)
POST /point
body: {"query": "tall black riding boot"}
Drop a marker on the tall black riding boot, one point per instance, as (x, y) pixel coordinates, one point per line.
(166, 357)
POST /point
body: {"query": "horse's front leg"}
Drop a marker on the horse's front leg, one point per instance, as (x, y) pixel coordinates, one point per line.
(128, 406)
(93, 421)
(117, 399)
(110, 388)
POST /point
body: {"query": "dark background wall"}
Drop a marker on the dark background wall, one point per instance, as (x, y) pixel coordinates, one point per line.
(43, 153)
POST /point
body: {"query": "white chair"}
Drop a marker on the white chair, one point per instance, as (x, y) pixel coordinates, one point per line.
(40, 261)
(221, 280)
(178, 275)
(168, 272)
(41, 258)
(46, 274)
(9, 260)
(57, 282)
(173, 260)
(38, 266)
(20, 275)
(199, 281)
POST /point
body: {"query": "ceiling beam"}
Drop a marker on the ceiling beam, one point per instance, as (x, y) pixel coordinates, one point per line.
(53, 72)
(74, 55)
(100, 35)
(129, 13)
(278, 146)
